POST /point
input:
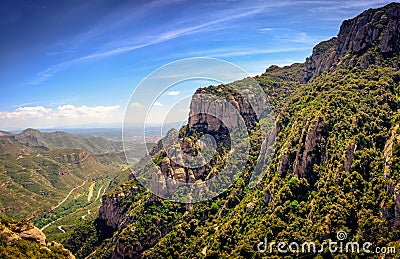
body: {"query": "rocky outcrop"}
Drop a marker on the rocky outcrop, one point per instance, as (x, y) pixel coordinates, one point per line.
(158, 185)
(178, 156)
(70, 160)
(363, 41)
(34, 234)
(283, 165)
(27, 231)
(322, 59)
(308, 153)
(374, 27)
(82, 157)
(11, 230)
(393, 186)
(349, 156)
(114, 207)
(180, 175)
(215, 115)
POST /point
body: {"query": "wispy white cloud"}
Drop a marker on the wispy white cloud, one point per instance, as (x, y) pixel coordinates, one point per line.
(49, 72)
(236, 52)
(267, 29)
(290, 35)
(227, 15)
(157, 104)
(275, 29)
(64, 115)
(304, 38)
(84, 112)
(173, 93)
(136, 105)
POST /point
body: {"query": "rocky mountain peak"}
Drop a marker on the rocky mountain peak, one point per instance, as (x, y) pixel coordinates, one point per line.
(371, 38)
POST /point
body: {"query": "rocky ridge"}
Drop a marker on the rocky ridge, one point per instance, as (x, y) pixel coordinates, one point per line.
(365, 40)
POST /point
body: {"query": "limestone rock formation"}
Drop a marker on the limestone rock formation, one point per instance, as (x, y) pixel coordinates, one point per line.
(11, 230)
(34, 234)
(308, 153)
(211, 115)
(113, 208)
(349, 156)
(364, 40)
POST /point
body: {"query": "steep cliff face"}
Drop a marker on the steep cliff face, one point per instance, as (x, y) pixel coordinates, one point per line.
(115, 205)
(308, 152)
(391, 152)
(213, 115)
(112, 209)
(372, 28)
(322, 59)
(364, 40)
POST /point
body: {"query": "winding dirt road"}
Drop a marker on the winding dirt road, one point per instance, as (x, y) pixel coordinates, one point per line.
(61, 203)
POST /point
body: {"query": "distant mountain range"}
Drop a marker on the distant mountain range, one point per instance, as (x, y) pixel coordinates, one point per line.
(34, 139)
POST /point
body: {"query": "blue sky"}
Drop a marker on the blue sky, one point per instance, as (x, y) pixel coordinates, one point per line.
(75, 63)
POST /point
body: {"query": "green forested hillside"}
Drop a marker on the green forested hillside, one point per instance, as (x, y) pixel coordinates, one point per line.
(58, 139)
(335, 168)
(345, 186)
(45, 180)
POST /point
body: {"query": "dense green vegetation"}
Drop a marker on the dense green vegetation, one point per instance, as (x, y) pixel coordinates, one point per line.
(345, 187)
(361, 111)
(12, 247)
(45, 180)
(35, 181)
(332, 172)
(77, 211)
